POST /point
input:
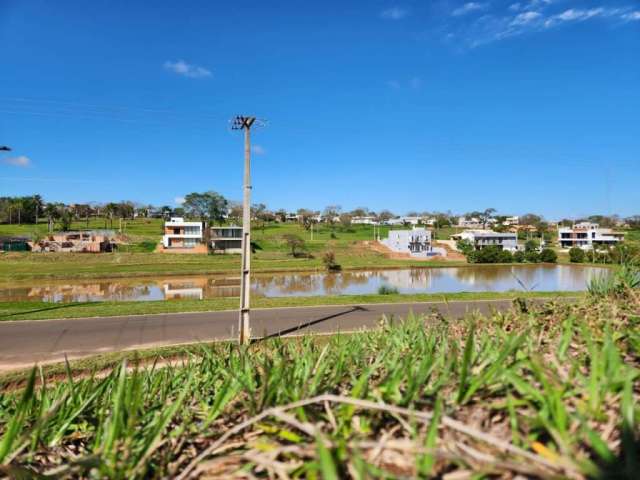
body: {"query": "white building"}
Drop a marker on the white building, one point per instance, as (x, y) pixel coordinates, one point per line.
(404, 221)
(511, 221)
(181, 234)
(585, 235)
(472, 222)
(483, 238)
(364, 220)
(416, 242)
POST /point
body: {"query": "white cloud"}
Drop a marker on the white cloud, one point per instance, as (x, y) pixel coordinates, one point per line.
(573, 15)
(178, 200)
(631, 16)
(258, 149)
(186, 69)
(468, 8)
(20, 161)
(394, 13)
(514, 7)
(525, 18)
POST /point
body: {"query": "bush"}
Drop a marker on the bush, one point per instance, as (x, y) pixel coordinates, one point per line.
(576, 255)
(518, 256)
(505, 256)
(489, 254)
(548, 256)
(387, 290)
(329, 260)
(465, 247)
(532, 256)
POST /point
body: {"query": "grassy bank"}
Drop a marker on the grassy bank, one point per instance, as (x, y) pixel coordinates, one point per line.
(46, 310)
(552, 392)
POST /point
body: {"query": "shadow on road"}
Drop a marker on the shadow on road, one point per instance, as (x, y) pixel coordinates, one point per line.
(308, 324)
(46, 309)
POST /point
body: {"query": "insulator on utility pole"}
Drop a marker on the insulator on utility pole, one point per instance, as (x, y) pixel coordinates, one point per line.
(244, 328)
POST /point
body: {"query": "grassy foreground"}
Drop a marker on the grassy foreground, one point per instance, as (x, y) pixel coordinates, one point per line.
(546, 391)
(45, 310)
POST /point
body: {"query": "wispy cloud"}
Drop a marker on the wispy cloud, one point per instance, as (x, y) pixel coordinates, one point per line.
(185, 69)
(21, 161)
(468, 8)
(178, 200)
(258, 149)
(631, 16)
(394, 13)
(524, 17)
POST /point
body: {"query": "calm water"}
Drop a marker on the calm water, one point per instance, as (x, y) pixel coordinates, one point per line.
(418, 280)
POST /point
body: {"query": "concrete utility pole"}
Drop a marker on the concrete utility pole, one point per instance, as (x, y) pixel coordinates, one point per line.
(244, 328)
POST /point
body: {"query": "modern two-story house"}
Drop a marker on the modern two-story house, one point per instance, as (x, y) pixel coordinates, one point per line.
(226, 239)
(484, 238)
(181, 234)
(586, 234)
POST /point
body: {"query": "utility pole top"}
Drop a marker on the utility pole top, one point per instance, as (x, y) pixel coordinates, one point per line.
(240, 122)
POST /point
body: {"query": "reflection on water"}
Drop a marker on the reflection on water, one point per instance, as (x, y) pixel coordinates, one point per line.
(416, 280)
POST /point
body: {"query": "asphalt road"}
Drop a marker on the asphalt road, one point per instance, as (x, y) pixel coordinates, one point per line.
(23, 343)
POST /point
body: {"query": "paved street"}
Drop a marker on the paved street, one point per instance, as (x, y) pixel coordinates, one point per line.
(24, 342)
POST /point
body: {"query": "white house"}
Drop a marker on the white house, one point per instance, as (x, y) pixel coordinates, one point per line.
(364, 220)
(483, 238)
(416, 242)
(181, 234)
(511, 221)
(585, 235)
(472, 222)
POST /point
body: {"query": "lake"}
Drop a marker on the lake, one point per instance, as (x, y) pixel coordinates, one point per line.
(474, 278)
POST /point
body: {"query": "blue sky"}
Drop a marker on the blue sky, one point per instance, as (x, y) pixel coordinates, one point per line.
(417, 105)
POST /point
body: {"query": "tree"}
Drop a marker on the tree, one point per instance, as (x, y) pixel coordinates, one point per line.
(295, 244)
(360, 212)
(530, 219)
(548, 255)
(489, 254)
(208, 206)
(518, 256)
(486, 216)
(65, 219)
(345, 220)
(331, 212)
(281, 215)
(465, 246)
(385, 215)
(305, 217)
(576, 255)
(329, 260)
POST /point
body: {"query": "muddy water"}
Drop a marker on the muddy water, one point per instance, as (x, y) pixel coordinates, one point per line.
(418, 280)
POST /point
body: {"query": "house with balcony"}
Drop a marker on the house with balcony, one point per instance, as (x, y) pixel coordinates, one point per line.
(226, 239)
(586, 234)
(180, 234)
(416, 242)
(484, 238)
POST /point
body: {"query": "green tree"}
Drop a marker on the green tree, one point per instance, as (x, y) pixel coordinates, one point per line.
(505, 256)
(548, 255)
(208, 206)
(465, 246)
(518, 256)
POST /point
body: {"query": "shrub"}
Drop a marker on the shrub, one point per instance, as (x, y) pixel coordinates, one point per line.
(531, 246)
(465, 247)
(518, 256)
(387, 290)
(329, 260)
(489, 254)
(505, 256)
(532, 256)
(548, 256)
(576, 255)
(295, 244)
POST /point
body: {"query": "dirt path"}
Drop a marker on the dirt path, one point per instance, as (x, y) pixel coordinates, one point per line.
(452, 255)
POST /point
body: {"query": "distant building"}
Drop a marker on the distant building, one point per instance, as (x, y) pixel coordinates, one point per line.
(511, 221)
(585, 235)
(484, 238)
(369, 220)
(226, 239)
(408, 220)
(415, 242)
(14, 244)
(85, 241)
(181, 234)
(469, 222)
